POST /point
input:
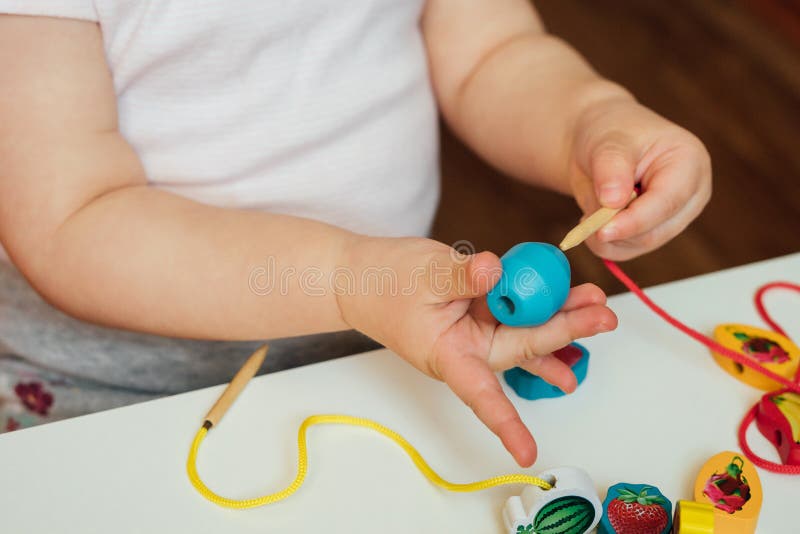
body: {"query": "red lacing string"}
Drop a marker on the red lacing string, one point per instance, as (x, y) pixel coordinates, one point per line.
(691, 332)
(762, 311)
(753, 457)
(728, 353)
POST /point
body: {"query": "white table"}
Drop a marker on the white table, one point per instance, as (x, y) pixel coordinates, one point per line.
(653, 408)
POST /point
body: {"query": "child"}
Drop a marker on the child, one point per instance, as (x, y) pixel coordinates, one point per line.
(234, 171)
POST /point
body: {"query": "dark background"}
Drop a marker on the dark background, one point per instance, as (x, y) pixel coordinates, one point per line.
(729, 71)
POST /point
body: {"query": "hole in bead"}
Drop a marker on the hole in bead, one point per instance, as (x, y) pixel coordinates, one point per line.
(506, 304)
(739, 367)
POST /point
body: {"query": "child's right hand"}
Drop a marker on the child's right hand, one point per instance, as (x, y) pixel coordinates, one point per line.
(436, 318)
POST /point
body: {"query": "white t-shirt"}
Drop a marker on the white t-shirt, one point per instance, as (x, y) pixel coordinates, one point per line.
(315, 108)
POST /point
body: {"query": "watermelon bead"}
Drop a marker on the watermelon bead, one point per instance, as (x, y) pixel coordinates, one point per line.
(570, 506)
(567, 515)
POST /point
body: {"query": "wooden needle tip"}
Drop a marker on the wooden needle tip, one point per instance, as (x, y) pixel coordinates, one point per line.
(590, 225)
(239, 381)
(565, 246)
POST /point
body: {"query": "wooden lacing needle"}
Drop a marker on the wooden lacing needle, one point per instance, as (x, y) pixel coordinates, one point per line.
(590, 225)
(240, 380)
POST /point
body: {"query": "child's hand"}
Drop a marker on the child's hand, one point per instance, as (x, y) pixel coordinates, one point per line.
(618, 142)
(442, 325)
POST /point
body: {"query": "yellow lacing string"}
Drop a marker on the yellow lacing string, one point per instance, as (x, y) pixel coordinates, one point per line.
(302, 456)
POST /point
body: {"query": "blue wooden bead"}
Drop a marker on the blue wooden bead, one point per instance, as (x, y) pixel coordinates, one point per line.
(533, 286)
(531, 387)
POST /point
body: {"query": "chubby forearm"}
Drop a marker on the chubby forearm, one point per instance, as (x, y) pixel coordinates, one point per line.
(514, 93)
(81, 223)
(143, 259)
(520, 109)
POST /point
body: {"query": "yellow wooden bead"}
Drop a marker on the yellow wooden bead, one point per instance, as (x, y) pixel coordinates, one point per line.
(730, 484)
(693, 518)
(769, 349)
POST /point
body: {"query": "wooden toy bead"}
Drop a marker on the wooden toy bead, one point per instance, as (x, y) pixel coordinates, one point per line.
(778, 419)
(730, 484)
(533, 286)
(571, 506)
(770, 349)
(693, 518)
(640, 508)
(532, 387)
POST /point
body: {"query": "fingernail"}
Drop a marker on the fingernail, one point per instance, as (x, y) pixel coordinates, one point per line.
(603, 327)
(609, 232)
(610, 194)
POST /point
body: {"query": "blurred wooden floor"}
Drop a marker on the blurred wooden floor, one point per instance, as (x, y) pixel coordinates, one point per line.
(723, 70)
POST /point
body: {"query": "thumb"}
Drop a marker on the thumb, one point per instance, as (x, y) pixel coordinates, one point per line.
(613, 170)
(468, 276)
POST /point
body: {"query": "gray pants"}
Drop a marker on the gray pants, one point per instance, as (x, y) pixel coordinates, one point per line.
(87, 368)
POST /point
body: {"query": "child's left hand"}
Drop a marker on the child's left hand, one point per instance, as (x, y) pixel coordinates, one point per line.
(617, 143)
(530, 105)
